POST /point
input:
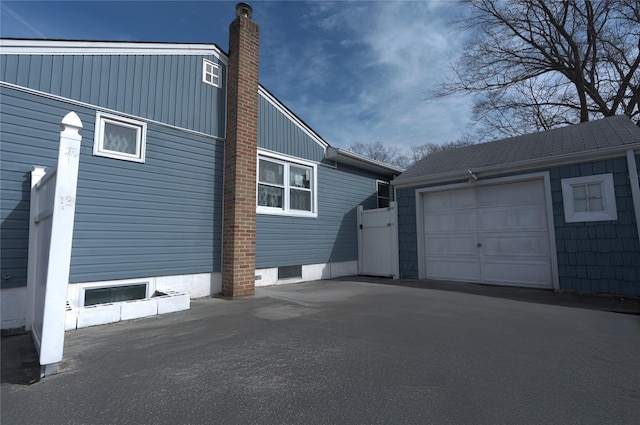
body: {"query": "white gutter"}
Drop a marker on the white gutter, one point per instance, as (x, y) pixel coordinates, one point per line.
(538, 163)
(635, 186)
(356, 160)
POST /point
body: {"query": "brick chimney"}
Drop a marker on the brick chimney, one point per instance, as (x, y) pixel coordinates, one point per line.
(239, 223)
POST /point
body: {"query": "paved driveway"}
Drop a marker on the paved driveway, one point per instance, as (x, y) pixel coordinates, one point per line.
(340, 352)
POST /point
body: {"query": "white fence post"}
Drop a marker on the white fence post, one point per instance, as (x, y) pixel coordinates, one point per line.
(51, 227)
(36, 176)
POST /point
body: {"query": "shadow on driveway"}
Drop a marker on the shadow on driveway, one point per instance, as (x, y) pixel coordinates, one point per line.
(612, 303)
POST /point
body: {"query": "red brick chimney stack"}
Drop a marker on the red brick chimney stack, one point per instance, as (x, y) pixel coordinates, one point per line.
(239, 232)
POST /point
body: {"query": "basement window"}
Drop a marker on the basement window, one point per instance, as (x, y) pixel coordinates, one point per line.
(112, 294)
(210, 73)
(119, 138)
(589, 198)
(289, 272)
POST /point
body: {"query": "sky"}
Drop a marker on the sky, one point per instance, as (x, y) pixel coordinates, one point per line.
(355, 72)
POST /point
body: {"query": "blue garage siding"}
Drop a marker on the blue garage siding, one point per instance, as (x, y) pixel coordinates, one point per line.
(164, 88)
(332, 236)
(600, 256)
(163, 217)
(277, 133)
(407, 233)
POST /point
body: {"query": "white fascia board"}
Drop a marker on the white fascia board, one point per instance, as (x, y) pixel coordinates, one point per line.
(291, 116)
(64, 47)
(356, 160)
(521, 166)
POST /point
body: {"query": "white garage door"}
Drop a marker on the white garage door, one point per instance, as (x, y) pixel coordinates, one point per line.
(495, 234)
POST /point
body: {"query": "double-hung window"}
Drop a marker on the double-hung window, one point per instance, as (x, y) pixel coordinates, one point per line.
(119, 137)
(286, 187)
(589, 198)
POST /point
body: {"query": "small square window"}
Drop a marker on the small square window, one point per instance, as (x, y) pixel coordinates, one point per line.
(210, 73)
(590, 198)
(119, 138)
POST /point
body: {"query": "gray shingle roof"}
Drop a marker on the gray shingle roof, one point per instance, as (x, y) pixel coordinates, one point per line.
(594, 136)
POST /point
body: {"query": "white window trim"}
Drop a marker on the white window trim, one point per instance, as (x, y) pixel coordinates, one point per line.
(286, 161)
(388, 183)
(82, 288)
(610, 211)
(141, 140)
(206, 62)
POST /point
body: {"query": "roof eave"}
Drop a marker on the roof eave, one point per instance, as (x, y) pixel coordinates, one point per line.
(355, 160)
(529, 165)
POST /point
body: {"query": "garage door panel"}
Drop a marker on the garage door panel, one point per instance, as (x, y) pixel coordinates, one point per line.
(513, 218)
(511, 194)
(488, 233)
(454, 221)
(460, 244)
(517, 271)
(449, 200)
(532, 244)
(463, 269)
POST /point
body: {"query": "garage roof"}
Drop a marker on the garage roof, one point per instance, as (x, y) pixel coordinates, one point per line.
(572, 144)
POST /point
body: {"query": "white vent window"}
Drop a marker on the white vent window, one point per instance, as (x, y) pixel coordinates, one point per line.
(119, 138)
(590, 198)
(211, 73)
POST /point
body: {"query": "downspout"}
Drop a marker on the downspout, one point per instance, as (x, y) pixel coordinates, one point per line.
(635, 187)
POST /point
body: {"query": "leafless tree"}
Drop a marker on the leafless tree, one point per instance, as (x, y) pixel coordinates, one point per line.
(538, 64)
(420, 151)
(379, 152)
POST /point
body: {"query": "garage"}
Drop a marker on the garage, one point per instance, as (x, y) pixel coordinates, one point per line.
(486, 232)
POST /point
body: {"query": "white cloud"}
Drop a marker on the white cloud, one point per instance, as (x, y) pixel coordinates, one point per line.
(362, 72)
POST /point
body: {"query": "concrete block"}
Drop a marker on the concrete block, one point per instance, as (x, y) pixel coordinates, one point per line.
(70, 319)
(98, 315)
(136, 309)
(172, 301)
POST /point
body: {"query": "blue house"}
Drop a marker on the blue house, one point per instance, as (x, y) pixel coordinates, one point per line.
(160, 151)
(558, 209)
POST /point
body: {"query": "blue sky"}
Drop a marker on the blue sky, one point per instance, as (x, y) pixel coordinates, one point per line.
(356, 72)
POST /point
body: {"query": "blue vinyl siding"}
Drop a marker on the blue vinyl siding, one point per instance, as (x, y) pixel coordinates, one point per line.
(277, 133)
(163, 217)
(598, 256)
(407, 233)
(164, 88)
(332, 236)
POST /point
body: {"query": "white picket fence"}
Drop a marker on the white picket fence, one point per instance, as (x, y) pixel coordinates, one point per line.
(53, 200)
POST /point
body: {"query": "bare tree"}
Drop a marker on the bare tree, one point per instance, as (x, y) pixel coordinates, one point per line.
(534, 64)
(379, 152)
(420, 151)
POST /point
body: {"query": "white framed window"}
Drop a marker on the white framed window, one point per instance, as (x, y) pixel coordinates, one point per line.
(210, 73)
(119, 138)
(589, 198)
(286, 187)
(384, 193)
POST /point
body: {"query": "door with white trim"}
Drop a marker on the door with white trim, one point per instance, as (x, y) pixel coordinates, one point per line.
(491, 233)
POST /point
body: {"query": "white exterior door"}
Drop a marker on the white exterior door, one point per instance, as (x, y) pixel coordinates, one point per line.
(492, 233)
(378, 241)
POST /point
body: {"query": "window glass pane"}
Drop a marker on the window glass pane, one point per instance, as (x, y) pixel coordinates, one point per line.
(270, 172)
(118, 138)
(115, 294)
(269, 196)
(299, 177)
(300, 200)
(579, 192)
(383, 190)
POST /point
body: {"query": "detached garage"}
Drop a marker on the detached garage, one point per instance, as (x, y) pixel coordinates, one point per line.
(558, 210)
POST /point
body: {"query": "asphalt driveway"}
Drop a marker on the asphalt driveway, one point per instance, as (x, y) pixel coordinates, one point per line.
(345, 352)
